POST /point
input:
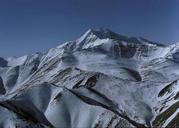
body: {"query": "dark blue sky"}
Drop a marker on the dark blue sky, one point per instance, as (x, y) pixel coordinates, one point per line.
(27, 26)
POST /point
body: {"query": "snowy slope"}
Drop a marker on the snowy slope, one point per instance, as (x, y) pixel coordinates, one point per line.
(15, 61)
(102, 79)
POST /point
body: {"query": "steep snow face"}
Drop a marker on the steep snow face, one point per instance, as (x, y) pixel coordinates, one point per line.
(15, 61)
(102, 79)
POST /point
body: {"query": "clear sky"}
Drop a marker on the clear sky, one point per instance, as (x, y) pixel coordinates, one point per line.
(27, 26)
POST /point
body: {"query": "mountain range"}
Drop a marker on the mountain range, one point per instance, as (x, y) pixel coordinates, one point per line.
(101, 80)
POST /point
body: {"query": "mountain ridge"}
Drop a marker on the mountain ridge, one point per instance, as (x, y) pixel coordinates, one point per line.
(108, 33)
(99, 80)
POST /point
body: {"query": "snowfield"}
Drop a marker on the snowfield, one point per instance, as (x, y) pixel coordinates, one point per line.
(102, 79)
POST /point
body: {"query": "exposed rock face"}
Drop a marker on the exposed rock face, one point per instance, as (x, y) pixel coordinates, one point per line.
(3, 62)
(2, 89)
(102, 79)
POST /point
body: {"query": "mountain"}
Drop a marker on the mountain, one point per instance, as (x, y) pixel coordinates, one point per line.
(102, 79)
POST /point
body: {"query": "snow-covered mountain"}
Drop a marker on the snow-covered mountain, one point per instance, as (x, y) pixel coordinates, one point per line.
(102, 79)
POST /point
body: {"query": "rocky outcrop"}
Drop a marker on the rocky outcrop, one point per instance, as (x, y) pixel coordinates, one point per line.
(2, 88)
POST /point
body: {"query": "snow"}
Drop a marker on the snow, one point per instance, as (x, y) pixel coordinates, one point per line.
(97, 43)
(115, 61)
(72, 117)
(15, 61)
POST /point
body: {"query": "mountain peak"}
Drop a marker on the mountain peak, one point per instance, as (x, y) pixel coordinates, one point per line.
(96, 37)
(100, 30)
(102, 33)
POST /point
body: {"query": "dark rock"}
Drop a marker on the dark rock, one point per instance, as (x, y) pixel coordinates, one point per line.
(3, 62)
(2, 89)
